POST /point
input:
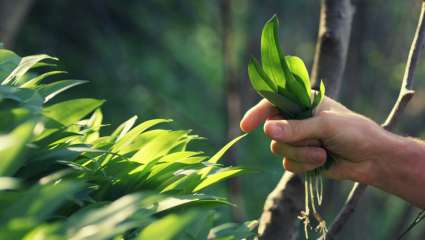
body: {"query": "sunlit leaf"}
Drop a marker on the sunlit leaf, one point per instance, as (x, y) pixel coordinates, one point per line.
(158, 147)
(123, 128)
(8, 61)
(50, 90)
(259, 80)
(69, 112)
(298, 69)
(34, 81)
(12, 148)
(271, 54)
(168, 227)
(25, 64)
(126, 138)
(218, 177)
(9, 183)
(219, 154)
(170, 203)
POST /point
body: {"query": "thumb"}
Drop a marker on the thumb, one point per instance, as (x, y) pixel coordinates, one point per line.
(290, 131)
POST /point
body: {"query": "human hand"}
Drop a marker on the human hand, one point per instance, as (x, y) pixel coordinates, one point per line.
(355, 142)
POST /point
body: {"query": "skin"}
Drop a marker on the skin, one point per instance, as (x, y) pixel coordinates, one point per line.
(363, 150)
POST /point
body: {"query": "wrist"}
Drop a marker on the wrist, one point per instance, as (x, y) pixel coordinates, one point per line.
(398, 162)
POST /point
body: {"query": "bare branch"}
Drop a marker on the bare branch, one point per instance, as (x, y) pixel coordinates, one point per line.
(282, 207)
(406, 93)
(279, 218)
(332, 44)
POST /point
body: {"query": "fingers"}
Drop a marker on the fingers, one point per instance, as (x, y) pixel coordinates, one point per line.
(257, 115)
(291, 131)
(314, 156)
(297, 167)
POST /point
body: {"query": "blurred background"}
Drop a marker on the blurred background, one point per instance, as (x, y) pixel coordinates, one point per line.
(186, 60)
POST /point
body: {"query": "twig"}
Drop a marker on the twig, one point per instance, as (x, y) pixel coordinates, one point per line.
(419, 218)
(406, 93)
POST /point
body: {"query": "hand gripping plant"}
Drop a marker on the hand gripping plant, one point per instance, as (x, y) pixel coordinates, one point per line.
(284, 81)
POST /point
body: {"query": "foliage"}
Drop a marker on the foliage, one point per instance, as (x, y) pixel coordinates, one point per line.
(284, 81)
(61, 178)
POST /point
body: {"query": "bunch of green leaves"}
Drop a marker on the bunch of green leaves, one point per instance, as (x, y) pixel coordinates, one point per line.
(284, 81)
(61, 178)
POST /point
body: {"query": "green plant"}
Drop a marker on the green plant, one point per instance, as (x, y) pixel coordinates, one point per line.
(285, 82)
(62, 178)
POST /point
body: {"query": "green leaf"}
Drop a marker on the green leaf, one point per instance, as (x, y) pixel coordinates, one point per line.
(45, 231)
(233, 231)
(214, 159)
(71, 111)
(26, 64)
(259, 79)
(126, 138)
(9, 183)
(168, 227)
(275, 65)
(158, 146)
(39, 201)
(179, 156)
(34, 81)
(49, 91)
(12, 148)
(8, 61)
(219, 154)
(26, 97)
(109, 220)
(185, 184)
(287, 106)
(123, 128)
(182, 202)
(319, 95)
(218, 177)
(298, 69)
(271, 53)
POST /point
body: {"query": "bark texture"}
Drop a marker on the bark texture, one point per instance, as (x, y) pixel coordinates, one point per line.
(279, 217)
(281, 209)
(336, 18)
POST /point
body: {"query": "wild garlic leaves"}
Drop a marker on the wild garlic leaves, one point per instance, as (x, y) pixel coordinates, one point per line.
(283, 80)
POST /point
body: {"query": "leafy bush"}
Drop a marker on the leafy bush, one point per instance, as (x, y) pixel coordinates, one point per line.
(61, 178)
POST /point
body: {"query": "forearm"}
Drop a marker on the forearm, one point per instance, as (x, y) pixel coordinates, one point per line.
(401, 171)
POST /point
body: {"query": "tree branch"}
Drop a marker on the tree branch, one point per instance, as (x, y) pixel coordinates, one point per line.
(332, 44)
(279, 217)
(281, 209)
(406, 93)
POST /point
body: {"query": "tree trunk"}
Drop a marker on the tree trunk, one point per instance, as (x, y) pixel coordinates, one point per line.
(278, 220)
(233, 105)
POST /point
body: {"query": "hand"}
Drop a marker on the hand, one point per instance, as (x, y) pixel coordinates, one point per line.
(355, 142)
